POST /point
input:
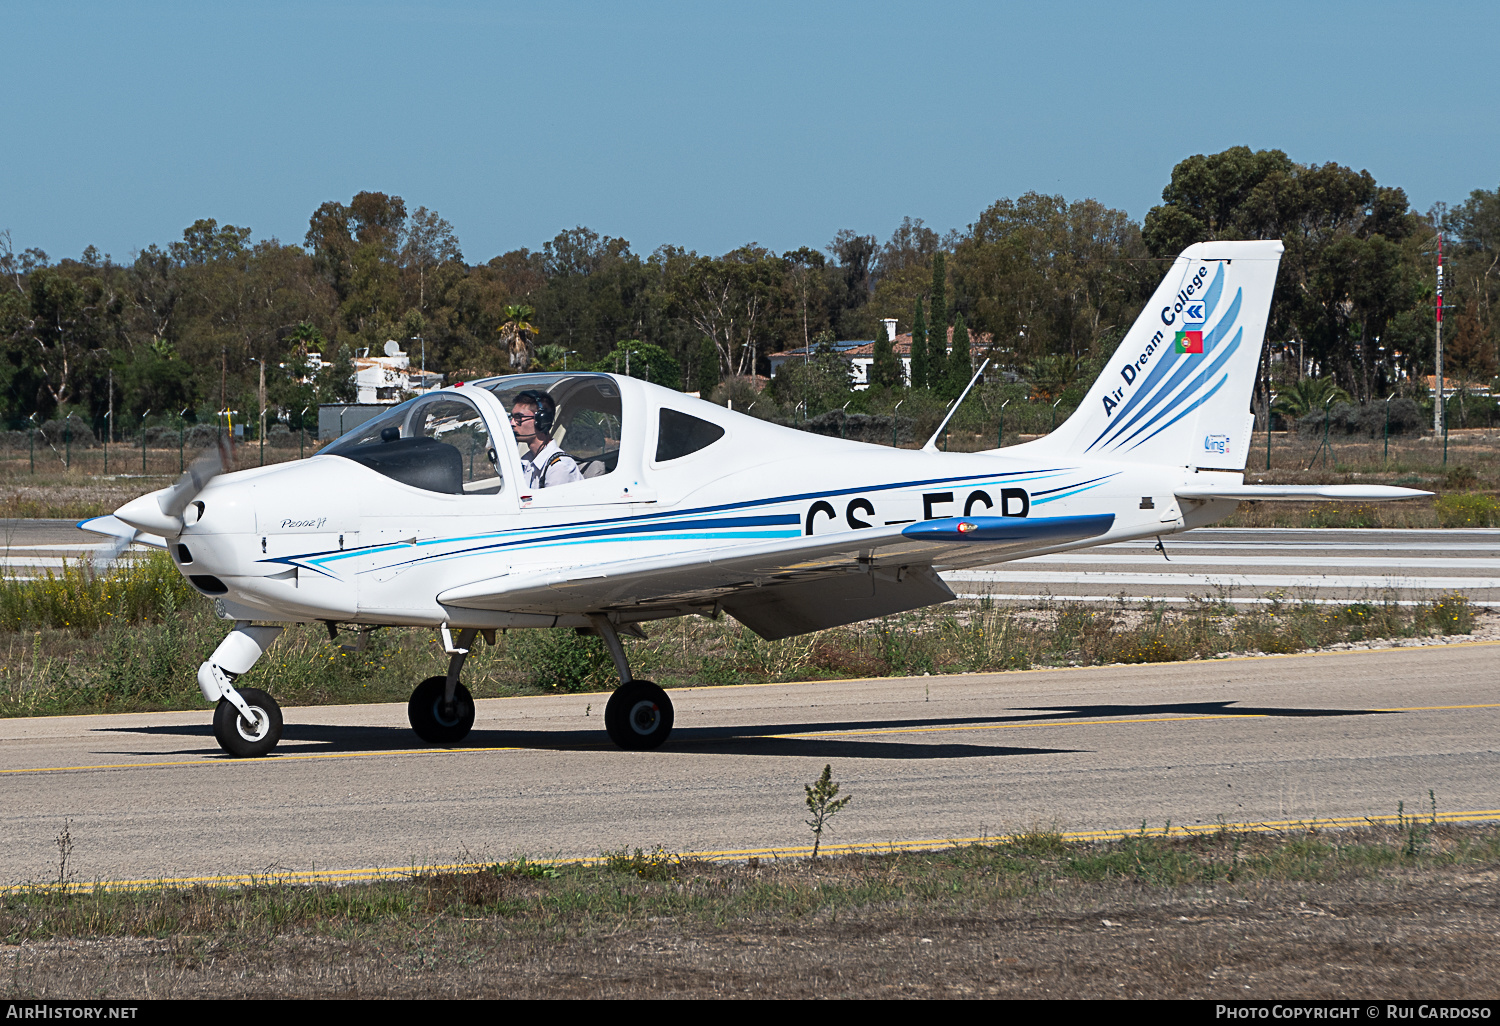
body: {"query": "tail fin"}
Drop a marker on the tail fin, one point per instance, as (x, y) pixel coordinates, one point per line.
(1177, 391)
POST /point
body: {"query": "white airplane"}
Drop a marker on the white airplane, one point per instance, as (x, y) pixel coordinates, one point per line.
(422, 516)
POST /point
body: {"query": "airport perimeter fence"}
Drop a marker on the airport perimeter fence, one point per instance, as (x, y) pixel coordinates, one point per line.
(1302, 451)
(1466, 457)
(71, 448)
(973, 428)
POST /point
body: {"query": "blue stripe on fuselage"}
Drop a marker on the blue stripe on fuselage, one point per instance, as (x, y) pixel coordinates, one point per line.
(698, 524)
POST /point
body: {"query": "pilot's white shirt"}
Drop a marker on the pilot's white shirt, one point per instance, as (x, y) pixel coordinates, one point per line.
(542, 472)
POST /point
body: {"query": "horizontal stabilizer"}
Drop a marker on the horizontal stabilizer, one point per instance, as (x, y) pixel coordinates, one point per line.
(1304, 493)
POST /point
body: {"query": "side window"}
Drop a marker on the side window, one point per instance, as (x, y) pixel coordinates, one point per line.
(587, 420)
(592, 437)
(458, 423)
(679, 435)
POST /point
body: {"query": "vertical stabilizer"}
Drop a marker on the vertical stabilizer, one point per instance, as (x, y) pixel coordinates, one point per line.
(1178, 389)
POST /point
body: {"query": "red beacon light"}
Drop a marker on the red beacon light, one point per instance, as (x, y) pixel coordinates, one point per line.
(966, 526)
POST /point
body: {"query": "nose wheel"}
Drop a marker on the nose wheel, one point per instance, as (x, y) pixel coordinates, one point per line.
(638, 716)
(248, 738)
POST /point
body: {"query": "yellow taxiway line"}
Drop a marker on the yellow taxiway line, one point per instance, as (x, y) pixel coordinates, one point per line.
(363, 875)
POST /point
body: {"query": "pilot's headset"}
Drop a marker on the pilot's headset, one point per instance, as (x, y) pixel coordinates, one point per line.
(546, 408)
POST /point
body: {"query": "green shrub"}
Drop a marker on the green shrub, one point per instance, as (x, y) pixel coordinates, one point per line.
(84, 600)
(1460, 476)
(656, 864)
(1152, 648)
(562, 659)
(1451, 614)
(1467, 509)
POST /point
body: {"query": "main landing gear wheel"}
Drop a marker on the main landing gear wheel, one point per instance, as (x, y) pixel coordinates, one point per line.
(242, 738)
(638, 716)
(432, 724)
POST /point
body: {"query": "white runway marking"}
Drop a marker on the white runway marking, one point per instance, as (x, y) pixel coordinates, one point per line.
(1140, 580)
(1104, 557)
(1174, 600)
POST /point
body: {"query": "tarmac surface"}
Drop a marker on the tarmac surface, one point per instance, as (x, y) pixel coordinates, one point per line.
(1246, 740)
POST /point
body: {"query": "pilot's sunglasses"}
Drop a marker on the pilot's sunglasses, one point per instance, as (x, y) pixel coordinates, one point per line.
(523, 416)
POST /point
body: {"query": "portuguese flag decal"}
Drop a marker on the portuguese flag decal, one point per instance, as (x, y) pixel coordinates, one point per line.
(1190, 341)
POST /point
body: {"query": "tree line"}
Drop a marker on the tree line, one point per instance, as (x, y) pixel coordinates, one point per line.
(1042, 286)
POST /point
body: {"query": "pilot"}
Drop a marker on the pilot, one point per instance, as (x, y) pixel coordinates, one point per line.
(544, 463)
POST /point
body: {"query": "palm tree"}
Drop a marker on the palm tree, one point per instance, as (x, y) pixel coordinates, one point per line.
(1051, 376)
(550, 357)
(1308, 395)
(517, 333)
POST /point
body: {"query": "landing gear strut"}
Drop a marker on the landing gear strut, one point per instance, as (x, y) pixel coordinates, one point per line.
(638, 716)
(441, 709)
(247, 721)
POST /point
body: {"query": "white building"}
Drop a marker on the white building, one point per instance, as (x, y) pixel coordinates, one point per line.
(861, 355)
(383, 379)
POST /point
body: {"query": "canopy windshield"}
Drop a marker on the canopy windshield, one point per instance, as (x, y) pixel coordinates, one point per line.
(436, 442)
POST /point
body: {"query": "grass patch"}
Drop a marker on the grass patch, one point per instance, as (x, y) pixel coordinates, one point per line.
(132, 591)
(1305, 913)
(1467, 510)
(629, 889)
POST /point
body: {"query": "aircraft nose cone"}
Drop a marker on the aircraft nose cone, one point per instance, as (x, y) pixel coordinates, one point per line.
(144, 514)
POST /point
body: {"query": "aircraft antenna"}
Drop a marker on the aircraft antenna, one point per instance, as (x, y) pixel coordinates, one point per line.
(931, 445)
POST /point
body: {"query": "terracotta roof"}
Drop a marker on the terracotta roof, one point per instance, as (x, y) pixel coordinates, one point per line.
(755, 381)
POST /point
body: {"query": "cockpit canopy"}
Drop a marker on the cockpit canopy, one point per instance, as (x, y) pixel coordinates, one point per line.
(440, 442)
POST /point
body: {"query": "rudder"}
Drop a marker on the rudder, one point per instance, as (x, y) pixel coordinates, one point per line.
(1177, 390)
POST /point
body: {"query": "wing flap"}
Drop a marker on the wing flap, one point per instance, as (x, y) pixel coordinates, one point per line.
(815, 605)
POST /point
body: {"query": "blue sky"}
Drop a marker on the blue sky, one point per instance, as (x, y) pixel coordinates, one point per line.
(707, 125)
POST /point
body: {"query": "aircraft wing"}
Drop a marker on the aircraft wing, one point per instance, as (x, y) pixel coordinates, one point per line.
(786, 586)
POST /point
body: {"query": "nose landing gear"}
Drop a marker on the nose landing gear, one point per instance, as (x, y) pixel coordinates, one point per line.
(247, 721)
(247, 737)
